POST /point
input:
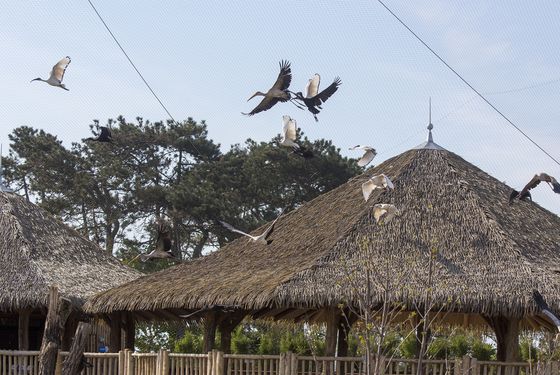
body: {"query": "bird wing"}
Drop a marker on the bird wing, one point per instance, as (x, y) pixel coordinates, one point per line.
(388, 182)
(231, 228)
(270, 229)
(163, 240)
(533, 183)
(388, 211)
(284, 77)
(58, 70)
(359, 147)
(367, 188)
(552, 317)
(378, 212)
(289, 129)
(265, 104)
(367, 158)
(312, 87)
(326, 93)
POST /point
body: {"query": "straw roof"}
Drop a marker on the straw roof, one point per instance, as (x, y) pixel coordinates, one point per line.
(487, 255)
(37, 251)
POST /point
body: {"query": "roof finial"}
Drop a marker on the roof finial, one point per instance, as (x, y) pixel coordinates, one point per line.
(429, 144)
(3, 188)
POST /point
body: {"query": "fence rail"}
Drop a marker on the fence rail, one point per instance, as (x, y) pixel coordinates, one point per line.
(127, 362)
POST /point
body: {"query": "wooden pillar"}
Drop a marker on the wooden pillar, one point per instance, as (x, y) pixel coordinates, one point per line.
(227, 324)
(75, 362)
(345, 323)
(210, 322)
(507, 337)
(332, 318)
(52, 334)
(115, 324)
(23, 329)
(129, 329)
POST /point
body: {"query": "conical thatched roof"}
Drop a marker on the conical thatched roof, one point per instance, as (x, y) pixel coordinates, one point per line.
(37, 250)
(488, 255)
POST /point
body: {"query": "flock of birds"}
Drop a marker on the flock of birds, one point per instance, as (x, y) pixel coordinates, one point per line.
(313, 101)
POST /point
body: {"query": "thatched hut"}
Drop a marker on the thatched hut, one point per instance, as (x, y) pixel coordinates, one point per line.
(36, 252)
(486, 255)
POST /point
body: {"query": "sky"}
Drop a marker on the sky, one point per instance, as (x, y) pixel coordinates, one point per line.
(205, 59)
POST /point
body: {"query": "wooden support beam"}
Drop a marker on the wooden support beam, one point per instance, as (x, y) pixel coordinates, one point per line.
(227, 324)
(75, 362)
(345, 322)
(129, 329)
(210, 322)
(52, 335)
(115, 324)
(23, 329)
(332, 318)
(507, 337)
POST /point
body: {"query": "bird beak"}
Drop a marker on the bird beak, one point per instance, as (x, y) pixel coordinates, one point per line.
(36, 79)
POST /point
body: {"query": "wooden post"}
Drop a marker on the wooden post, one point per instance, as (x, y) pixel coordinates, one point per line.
(226, 325)
(209, 331)
(220, 363)
(293, 364)
(74, 363)
(332, 319)
(466, 365)
(122, 366)
(210, 363)
(51, 336)
(58, 367)
(507, 337)
(129, 329)
(164, 362)
(282, 364)
(129, 362)
(458, 366)
(115, 344)
(23, 329)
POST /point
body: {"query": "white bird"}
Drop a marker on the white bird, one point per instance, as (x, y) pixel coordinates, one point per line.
(289, 129)
(262, 239)
(380, 181)
(368, 155)
(57, 74)
(385, 212)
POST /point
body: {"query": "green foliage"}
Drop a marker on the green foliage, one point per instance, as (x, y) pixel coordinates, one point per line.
(190, 343)
(245, 339)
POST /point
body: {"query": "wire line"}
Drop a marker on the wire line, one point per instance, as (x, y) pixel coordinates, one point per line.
(138, 71)
(467, 83)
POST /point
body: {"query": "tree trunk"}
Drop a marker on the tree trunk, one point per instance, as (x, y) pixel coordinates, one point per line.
(69, 331)
(115, 325)
(51, 336)
(226, 327)
(197, 251)
(332, 320)
(507, 337)
(209, 331)
(129, 331)
(74, 363)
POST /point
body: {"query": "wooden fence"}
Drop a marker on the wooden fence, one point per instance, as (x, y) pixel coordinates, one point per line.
(127, 362)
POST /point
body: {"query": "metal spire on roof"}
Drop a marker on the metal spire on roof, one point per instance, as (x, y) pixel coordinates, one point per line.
(429, 144)
(3, 188)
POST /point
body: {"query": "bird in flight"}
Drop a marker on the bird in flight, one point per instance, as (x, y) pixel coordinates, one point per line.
(57, 74)
(104, 136)
(277, 93)
(380, 181)
(262, 238)
(163, 245)
(384, 212)
(515, 194)
(543, 306)
(537, 180)
(368, 155)
(313, 98)
(289, 134)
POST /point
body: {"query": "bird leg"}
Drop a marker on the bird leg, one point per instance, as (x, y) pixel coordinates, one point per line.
(297, 105)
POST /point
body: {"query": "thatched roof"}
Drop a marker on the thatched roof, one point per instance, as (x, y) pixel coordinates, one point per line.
(37, 251)
(488, 255)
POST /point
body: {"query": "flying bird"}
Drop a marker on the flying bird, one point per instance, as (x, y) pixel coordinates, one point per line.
(289, 133)
(57, 74)
(104, 136)
(368, 155)
(277, 93)
(380, 181)
(262, 238)
(384, 212)
(543, 306)
(163, 245)
(537, 180)
(313, 98)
